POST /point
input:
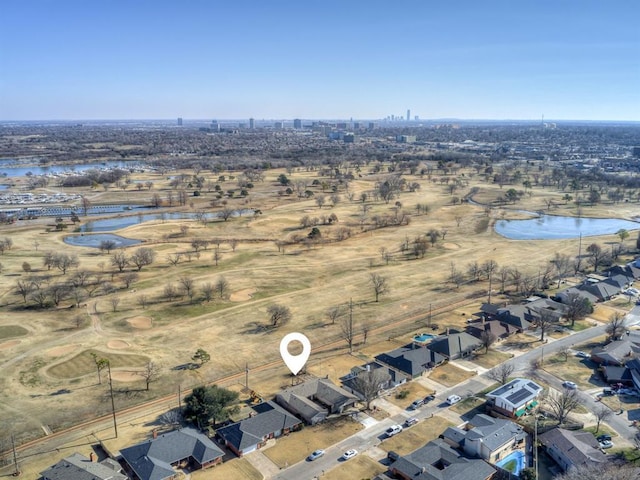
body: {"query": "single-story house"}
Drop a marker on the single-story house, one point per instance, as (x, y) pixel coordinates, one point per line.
(269, 421)
(617, 352)
(455, 345)
(498, 329)
(154, 459)
(615, 374)
(388, 378)
(437, 460)
(563, 296)
(412, 360)
(78, 467)
(486, 437)
(515, 398)
(603, 291)
(314, 400)
(571, 449)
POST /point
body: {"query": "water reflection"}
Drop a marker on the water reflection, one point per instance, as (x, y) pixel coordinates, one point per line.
(547, 227)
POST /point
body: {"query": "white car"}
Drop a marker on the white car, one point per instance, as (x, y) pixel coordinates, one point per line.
(349, 454)
(583, 355)
(393, 430)
(453, 399)
(569, 385)
(315, 455)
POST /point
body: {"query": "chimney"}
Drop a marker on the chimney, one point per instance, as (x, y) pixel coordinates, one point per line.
(447, 331)
(155, 434)
(92, 457)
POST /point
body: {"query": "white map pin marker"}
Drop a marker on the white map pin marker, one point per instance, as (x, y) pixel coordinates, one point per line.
(295, 362)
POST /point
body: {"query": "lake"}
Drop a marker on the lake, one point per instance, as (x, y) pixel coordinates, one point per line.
(552, 227)
(8, 169)
(95, 240)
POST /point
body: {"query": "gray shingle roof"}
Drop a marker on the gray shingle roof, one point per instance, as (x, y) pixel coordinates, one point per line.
(438, 461)
(79, 467)
(152, 459)
(246, 433)
(580, 448)
(494, 432)
(411, 360)
(455, 344)
(309, 398)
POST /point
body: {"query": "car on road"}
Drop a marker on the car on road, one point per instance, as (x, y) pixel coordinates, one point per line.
(349, 454)
(393, 430)
(583, 355)
(569, 385)
(410, 421)
(453, 399)
(604, 437)
(429, 398)
(417, 403)
(606, 444)
(315, 455)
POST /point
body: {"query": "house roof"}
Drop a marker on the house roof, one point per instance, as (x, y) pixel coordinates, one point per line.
(493, 326)
(580, 291)
(493, 432)
(602, 290)
(517, 392)
(246, 433)
(454, 344)
(152, 459)
(520, 316)
(615, 352)
(580, 448)
(438, 461)
(411, 359)
(309, 397)
(79, 467)
(616, 374)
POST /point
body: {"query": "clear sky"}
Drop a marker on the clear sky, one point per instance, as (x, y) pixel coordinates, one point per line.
(235, 59)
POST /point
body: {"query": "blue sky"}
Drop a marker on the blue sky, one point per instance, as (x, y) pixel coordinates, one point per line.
(117, 59)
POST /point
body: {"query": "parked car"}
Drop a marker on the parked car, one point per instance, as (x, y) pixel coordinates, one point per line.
(603, 437)
(349, 454)
(315, 455)
(410, 421)
(429, 398)
(393, 456)
(417, 403)
(569, 385)
(607, 391)
(453, 399)
(583, 355)
(393, 430)
(606, 444)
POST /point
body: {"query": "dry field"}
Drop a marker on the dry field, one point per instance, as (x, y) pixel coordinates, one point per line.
(44, 352)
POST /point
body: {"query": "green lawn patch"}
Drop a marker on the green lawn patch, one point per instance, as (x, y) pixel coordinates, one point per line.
(83, 363)
(12, 331)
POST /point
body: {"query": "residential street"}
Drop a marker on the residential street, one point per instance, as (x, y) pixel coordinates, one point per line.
(372, 435)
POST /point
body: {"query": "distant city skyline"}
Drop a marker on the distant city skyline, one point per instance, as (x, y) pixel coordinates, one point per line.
(493, 60)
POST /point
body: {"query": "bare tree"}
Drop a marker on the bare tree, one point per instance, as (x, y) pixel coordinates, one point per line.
(598, 471)
(333, 313)
(100, 363)
(174, 258)
(226, 213)
(142, 257)
(207, 291)
(150, 373)
(501, 373)
(562, 264)
(188, 287)
(562, 404)
(368, 384)
(222, 288)
(115, 301)
(487, 339)
(278, 315)
(379, 284)
(170, 292)
(455, 276)
(347, 327)
(602, 414)
(564, 352)
(64, 262)
(577, 307)
(233, 243)
(128, 278)
(597, 255)
(616, 326)
(217, 256)
(142, 300)
(119, 260)
(24, 288)
(474, 270)
(544, 321)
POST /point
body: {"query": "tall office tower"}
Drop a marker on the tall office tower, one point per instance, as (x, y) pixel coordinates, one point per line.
(297, 124)
(215, 126)
(179, 121)
(278, 125)
(252, 123)
(408, 114)
(371, 126)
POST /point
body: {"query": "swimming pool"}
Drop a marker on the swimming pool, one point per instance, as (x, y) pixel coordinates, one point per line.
(514, 462)
(423, 337)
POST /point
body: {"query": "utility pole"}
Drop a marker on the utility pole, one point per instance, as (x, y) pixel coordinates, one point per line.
(535, 445)
(17, 471)
(429, 319)
(113, 405)
(246, 375)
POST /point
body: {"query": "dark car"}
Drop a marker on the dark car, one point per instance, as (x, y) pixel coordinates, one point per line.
(393, 456)
(429, 398)
(604, 437)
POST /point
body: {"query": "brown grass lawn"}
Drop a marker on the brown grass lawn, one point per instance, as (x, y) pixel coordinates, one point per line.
(450, 375)
(416, 436)
(239, 468)
(468, 404)
(359, 467)
(306, 278)
(578, 370)
(414, 391)
(491, 358)
(12, 331)
(297, 446)
(522, 342)
(626, 402)
(603, 313)
(595, 342)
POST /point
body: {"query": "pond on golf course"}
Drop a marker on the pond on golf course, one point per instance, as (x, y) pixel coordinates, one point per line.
(552, 227)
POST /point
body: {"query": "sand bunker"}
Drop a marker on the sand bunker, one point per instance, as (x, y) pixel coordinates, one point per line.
(60, 351)
(10, 344)
(242, 295)
(140, 322)
(117, 344)
(125, 376)
(451, 246)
